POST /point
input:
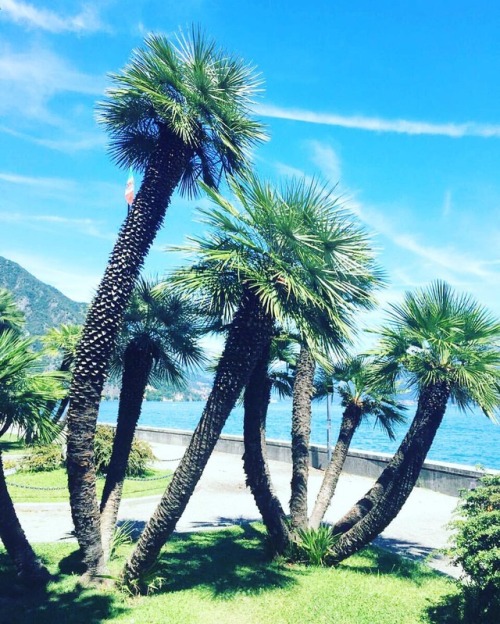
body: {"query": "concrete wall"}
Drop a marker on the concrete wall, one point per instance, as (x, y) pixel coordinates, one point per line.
(438, 476)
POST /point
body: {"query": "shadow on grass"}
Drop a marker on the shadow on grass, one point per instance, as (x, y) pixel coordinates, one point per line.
(375, 560)
(225, 562)
(64, 601)
(462, 608)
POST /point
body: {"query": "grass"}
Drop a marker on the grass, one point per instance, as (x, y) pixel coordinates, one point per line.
(11, 444)
(224, 577)
(58, 479)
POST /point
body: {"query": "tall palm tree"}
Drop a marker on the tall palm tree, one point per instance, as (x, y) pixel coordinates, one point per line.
(265, 377)
(24, 396)
(282, 255)
(159, 340)
(178, 113)
(362, 394)
(445, 347)
(303, 390)
(62, 341)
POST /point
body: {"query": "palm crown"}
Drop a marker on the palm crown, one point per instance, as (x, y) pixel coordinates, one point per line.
(165, 326)
(192, 91)
(436, 336)
(301, 254)
(356, 384)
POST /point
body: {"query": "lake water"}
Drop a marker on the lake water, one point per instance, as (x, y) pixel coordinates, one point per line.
(469, 438)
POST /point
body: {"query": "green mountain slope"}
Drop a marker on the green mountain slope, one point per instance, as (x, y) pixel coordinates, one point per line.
(43, 305)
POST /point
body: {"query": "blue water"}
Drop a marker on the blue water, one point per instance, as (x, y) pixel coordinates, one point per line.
(469, 438)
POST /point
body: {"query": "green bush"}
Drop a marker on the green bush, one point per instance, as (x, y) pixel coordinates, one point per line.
(476, 547)
(141, 454)
(42, 458)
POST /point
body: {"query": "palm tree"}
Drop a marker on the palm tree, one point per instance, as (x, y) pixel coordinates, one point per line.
(62, 341)
(178, 113)
(266, 376)
(282, 255)
(24, 396)
(158, 341)
(11, 316)
(445, 347)
(362, 394)
(303, 389)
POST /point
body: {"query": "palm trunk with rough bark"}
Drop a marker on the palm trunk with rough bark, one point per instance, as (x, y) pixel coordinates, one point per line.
(350, 422)
(399, 477)
(248, 334)
(258, 478)
(136, 370)
(29, 569)
(104, 320)
(303, 389)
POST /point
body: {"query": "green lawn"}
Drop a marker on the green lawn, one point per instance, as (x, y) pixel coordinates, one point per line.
(58, 479)
(223, 577)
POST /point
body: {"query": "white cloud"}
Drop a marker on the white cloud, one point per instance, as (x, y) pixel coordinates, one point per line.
(327, 159)
(88, 227)
(377, 124)
(30, 79)
(87, 20)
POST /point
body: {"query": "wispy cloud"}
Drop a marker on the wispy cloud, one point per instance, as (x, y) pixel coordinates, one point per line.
(87, 20)
(29, 80)
(378, 124)
(327, 159)
(88, 227)
(447, 204)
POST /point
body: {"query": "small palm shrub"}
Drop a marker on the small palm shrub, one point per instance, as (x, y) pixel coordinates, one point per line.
(141, 454)
(476, 547)
(43, 458)
(314, 545)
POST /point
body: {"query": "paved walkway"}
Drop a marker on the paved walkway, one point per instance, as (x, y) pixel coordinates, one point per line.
(222, 499)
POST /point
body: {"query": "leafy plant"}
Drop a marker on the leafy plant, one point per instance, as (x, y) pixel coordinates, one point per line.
(123, 534)
(476, 547)
(140, 457)
(315, 544)
(42, 459)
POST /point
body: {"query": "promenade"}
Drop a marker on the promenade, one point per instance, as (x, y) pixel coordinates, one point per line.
(221, 499)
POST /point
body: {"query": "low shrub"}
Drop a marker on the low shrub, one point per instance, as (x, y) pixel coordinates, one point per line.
(476, 547)
(141, 454)
(315, 545)
(42, 458)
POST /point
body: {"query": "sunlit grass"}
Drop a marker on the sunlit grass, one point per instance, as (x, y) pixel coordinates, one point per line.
(224, 577)
(58, 479)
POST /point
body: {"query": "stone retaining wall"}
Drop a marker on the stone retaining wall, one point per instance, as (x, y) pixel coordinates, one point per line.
(438, 476)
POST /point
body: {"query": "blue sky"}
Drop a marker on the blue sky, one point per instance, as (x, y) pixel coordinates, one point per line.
(397, 102)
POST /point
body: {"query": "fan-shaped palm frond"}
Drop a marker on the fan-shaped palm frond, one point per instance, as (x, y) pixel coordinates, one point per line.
(25, 392)
(10, 315)
(437, 336)
(191, 90)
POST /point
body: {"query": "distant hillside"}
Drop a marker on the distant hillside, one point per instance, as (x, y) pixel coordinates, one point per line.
(43, 305)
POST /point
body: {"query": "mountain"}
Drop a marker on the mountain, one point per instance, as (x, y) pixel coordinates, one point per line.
(44, 306)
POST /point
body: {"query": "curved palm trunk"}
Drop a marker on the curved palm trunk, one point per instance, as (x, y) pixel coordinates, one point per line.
(400, 476)
(248, 334)
(136, 370)
(350, 422)
(258, 478)
(29, 569)
(101, 327)
(63, 403)
(303, 389)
